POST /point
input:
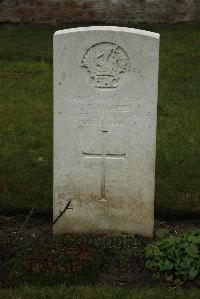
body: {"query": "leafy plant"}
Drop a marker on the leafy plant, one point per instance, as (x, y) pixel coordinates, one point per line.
(177, 257)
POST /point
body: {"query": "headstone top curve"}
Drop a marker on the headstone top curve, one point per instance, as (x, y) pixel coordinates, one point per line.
(109, 28)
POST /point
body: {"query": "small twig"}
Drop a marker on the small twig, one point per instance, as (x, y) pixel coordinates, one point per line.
(62, 212)
(177, 286)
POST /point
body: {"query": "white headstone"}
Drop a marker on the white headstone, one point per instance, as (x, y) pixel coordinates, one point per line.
(105, 103)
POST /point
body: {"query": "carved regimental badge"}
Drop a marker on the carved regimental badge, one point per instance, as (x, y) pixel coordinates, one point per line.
(106, 65)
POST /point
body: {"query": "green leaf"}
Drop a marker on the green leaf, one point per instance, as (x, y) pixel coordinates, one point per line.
(161, 233)
(194, 239)
(186, 263)
(192, 250)
(193, 273)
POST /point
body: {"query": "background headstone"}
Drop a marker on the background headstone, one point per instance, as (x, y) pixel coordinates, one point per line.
(105, 103)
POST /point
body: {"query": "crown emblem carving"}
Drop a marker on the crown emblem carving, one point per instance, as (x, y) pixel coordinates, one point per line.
(106, 65)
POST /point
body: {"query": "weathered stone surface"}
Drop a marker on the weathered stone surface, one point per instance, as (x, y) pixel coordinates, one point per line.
(101, 11)
(105, 99)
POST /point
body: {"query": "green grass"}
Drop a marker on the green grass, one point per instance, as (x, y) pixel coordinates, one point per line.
(26, 118)
(101, 292)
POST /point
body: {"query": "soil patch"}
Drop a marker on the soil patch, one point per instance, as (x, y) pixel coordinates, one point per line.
(111, 266)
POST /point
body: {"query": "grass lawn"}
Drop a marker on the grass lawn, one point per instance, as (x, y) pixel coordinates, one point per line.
(101, 292)
(26, 119)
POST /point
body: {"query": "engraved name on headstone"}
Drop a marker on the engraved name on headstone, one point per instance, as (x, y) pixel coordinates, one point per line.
(105, 103)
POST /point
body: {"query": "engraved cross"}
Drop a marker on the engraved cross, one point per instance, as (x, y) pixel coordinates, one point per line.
(103, 156)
